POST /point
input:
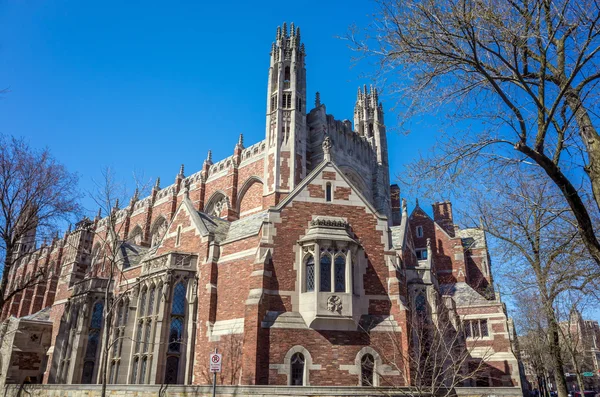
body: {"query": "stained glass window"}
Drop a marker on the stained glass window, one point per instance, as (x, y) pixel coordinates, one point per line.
(310, 274)
(297, 367)
(88, 372)
(97, 316)
(138, 340)
(420, 305)
(340, 273)
(134, 371)
(178, 307)
(367, 364)
(150, 302)
(143, 371)
(175, 333)
(325, 273)
(147, 336)
(92, 343)
(142, 303)
(172, 370)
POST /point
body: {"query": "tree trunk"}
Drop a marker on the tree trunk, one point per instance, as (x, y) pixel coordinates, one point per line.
(571, 194)
(554, 350)
(591, 140)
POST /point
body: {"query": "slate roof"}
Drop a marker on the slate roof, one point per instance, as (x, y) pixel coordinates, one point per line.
(247, 226)
(42, 315)
(463, 294)
(130, 254)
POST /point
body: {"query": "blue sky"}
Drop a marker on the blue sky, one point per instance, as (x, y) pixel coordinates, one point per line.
(146, 86)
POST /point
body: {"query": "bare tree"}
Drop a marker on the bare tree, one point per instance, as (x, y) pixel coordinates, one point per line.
(36, 194)
(439, 357)
(110, 257)
(526, 69)
(542, 254)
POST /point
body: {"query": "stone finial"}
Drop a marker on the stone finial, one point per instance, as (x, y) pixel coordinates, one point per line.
(181, 171)
(209, 157)
(157, 184)
(317, 99)
(327, 144)
(117, 204)
(240, 143)
(99, 214)
(284, 32)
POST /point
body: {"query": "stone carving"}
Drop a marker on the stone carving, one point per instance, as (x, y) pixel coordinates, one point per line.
(334, 304)
(329, 223)
(327, 147)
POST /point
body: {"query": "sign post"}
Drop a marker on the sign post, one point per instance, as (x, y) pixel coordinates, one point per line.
(215, 366)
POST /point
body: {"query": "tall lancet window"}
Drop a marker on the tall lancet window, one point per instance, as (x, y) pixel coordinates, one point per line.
(175, 334)
(93, 344)
(367, 365)
(325, 273)
(340, 273)
(297, 368)
(310, 273)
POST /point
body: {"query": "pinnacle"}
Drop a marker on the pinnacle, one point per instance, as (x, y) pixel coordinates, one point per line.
(209, 157)
(157, 184)
(317, 99)
(181, 171)
(241, 141)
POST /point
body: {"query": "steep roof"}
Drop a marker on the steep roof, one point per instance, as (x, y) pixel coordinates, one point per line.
(463, 294)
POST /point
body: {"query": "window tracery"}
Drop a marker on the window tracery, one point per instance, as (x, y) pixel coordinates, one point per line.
(93, 343)
(175, 333)
(297, 369)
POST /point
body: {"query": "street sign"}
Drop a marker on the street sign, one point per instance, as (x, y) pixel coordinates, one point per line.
(588, 374)
(215, 362)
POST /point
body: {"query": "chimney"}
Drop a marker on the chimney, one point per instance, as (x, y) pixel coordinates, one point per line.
(442, 215)
(396, 208)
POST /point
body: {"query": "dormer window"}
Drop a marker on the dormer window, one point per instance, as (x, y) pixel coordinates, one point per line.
(419, 231)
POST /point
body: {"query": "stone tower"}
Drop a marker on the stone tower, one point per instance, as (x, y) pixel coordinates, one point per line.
(285, 162)
(369, 123)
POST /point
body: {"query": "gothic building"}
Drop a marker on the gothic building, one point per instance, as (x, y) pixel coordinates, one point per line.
(294, 257)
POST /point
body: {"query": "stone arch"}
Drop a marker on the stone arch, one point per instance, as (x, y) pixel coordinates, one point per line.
(377, 370)
(158, 230)
(136, 235)
(250, 196)
(308, 364)
(217, 205)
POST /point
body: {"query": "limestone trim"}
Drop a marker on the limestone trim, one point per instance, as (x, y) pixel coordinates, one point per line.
(286, 367)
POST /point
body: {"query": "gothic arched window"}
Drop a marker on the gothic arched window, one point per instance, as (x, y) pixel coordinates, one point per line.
(325, 273)
(175, 333)
(151, 301)
(310, 273)
(93, 342)
(297, 369)
(340, 273)
(367, 366)
(420, 305)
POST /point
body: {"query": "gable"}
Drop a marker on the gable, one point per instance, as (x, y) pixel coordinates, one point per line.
(314, 188)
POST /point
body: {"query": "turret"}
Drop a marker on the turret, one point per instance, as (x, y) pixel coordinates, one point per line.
(369, 123)
(285, 163)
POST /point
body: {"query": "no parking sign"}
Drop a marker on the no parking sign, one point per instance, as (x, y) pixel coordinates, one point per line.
(215, 362)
